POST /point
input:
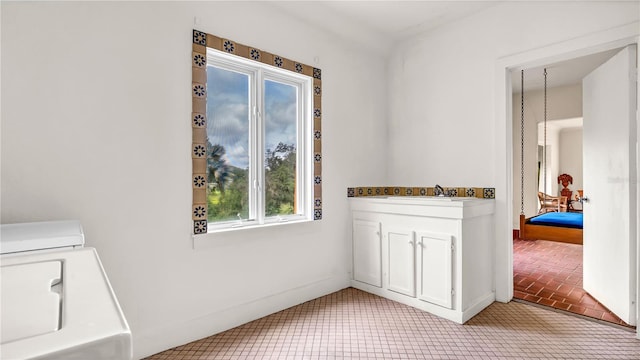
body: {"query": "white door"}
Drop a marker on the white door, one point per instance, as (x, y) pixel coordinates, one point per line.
(402, 261)
(435, 271)
(609, 112)
(367, 254)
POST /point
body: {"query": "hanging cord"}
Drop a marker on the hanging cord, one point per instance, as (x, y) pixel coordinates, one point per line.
(522, 142)
(544, 149)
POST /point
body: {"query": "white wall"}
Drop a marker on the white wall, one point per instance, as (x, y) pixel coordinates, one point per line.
(563, 102)
(445, 121)
(96, 127)
(441, 122)
(549, 167)
(530, 175)
(571, 158)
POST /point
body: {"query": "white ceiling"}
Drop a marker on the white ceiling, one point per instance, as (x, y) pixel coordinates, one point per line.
(563, 73)
(380, 25)
(399, 20)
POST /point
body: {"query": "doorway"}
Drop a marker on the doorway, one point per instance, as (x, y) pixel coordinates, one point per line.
(506, 158)
(563, 284)
(549, 273)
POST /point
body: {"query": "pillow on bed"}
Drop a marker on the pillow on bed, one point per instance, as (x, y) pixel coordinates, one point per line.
(563, 219)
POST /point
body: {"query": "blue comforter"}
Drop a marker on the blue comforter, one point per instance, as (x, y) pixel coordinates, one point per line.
(563, 219)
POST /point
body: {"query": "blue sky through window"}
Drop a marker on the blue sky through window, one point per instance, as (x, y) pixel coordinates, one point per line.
(228, 114)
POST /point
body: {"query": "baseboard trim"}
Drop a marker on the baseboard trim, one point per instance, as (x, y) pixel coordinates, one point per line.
(480, 305)
(147, 343)
(454, 315)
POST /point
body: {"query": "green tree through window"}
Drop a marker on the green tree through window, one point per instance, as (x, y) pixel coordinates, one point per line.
(280, 180)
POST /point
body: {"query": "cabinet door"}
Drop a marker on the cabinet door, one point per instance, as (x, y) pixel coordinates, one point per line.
(435, 255)
(402, 263)
(367, 254)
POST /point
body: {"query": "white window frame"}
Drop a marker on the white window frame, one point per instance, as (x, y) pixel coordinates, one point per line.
(258, 73)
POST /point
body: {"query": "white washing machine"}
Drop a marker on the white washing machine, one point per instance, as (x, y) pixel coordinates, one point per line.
(56, 300)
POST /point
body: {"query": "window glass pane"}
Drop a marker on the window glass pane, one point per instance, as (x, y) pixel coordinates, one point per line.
(280, 149)
(227, 144)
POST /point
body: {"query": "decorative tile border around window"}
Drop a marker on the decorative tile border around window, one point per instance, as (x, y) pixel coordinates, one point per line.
(202, 41)
(363, 191)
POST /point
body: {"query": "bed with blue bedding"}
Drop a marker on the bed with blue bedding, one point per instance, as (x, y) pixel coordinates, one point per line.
(565, 219)
(554, 226)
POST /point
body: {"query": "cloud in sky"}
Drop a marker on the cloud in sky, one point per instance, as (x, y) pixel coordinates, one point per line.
(280, 114)
(228, 114)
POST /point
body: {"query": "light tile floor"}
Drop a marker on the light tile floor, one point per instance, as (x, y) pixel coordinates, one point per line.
(352, 324)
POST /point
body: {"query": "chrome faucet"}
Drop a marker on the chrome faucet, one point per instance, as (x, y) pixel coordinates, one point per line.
(438, 190)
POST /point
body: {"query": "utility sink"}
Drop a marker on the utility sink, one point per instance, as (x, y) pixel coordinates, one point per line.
(31, 300)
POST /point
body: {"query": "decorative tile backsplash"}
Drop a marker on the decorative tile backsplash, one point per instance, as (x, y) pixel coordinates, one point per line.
(481, 193)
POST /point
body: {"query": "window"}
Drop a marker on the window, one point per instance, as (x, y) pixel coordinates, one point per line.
(256, 137)
(258, 121)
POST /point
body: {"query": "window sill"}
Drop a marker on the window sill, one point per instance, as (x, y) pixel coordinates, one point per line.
(233, 234)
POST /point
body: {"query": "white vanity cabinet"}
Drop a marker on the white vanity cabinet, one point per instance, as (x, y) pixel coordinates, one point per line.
(435, 272)
(367, 252)
(402, 261)
(435, 254)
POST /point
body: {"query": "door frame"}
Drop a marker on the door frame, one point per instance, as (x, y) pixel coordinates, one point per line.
(589, 44)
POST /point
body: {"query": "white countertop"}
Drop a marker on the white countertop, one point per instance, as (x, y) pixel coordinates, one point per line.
(436, 206)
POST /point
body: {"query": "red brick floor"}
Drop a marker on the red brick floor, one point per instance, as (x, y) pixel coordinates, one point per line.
(550, 273)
